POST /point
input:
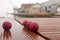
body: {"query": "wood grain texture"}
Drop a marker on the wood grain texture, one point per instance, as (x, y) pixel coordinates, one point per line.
(49, 27)
(17, 32)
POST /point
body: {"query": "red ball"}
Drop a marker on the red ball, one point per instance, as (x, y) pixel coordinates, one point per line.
(28, 23)
(33, 27)
(25, 23)
(6, 25)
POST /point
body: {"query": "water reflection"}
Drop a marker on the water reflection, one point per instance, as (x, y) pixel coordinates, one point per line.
(7, 35)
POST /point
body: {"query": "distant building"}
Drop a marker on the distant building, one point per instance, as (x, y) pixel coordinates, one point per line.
(32, 9)
(50, 6)
(25, 7)
(29, 8)
(35, 9)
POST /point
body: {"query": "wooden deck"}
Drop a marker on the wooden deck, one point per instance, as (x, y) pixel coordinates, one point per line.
(17, 32)
(49, 27)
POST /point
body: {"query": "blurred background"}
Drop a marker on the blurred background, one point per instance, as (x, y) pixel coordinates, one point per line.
(29, 8)
(7, 6)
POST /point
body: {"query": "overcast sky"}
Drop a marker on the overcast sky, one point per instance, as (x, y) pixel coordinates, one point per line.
(7, 5)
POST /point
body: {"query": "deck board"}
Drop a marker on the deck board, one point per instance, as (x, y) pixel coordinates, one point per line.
(17, 32)
(49, 27)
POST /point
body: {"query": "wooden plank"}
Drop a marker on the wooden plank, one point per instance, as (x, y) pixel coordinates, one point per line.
(49, 27)
(17, 32)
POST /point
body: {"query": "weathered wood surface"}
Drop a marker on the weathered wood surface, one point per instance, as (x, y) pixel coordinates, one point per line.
(49, 27)
(17, 32)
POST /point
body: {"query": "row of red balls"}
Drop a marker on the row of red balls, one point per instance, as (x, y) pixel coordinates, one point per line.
(30, 25)
(27, 24)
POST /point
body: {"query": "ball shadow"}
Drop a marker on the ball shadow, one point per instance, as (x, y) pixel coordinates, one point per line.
(34, 34)
(7, 35)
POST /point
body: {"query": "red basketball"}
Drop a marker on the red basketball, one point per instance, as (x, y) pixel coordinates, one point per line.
(33, 27)
(6, 25)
